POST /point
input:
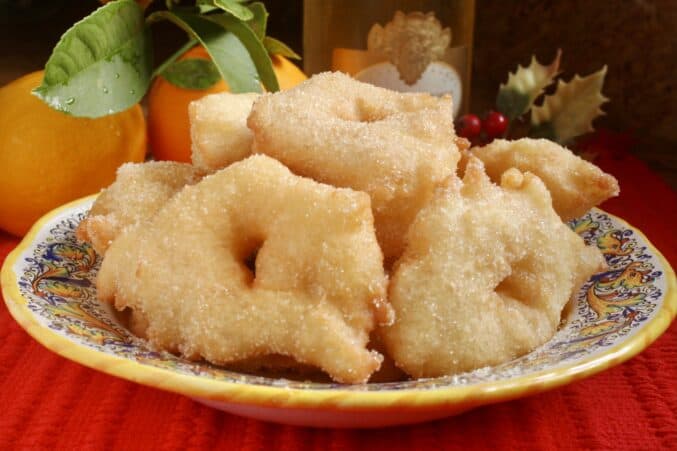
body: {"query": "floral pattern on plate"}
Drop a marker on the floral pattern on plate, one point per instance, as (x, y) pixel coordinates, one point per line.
(56, 276)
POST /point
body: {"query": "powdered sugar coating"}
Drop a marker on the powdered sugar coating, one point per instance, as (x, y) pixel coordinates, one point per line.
(575, 185)
(397, 147)
(218, 129)
(486, 274)
(139, 190)
(318, 287)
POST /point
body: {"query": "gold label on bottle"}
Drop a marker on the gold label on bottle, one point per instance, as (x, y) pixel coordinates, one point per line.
(411, 53)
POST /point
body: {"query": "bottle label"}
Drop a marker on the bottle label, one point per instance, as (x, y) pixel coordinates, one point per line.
(411, 53)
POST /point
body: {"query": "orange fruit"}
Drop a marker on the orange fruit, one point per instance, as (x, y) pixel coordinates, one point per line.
(48, 158)
(288, 74)
(168, 124)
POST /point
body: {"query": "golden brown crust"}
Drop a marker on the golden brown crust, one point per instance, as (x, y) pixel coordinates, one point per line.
(396, 147)
(486, 274)
(317, 291)
(575, 185)
(218, 129)
(139, 190)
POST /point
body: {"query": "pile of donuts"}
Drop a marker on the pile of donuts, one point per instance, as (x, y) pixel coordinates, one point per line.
(343, 228)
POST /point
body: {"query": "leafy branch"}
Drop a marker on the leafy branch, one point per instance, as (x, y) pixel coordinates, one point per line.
(104, 63)
(561, 116)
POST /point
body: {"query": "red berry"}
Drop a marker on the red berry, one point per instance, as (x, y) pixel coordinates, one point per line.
(468, 126)
(495, 124)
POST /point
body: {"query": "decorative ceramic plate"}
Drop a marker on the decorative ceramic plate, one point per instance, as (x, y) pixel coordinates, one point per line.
(48, 285)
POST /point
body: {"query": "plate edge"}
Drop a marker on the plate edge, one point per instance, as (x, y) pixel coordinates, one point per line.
(425, 399)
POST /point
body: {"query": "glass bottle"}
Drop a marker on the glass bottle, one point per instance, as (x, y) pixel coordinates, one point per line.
(406, 45)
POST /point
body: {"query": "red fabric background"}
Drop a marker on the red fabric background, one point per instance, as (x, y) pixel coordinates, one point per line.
(47, 402)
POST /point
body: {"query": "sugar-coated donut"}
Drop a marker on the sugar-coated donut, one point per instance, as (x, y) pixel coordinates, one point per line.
(139, 190)
(575, 185)
(394, 146)
(218, 129)
(485, 276)
(317, 289)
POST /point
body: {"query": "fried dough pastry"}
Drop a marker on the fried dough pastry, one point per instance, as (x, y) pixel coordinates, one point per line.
(394, 146)
(139, 190)
(485, 276)
(218, 129)
(575, 185)
(316, 291)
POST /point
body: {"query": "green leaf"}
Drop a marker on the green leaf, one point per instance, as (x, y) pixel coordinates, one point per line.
(257, 51)
(512, 103)
(203, 9)
(231, 57)
(101, 65)
(275, 47)
(174, 56)
(259, 22)
(524, 86)
(573, 107)
(544, 130)
(236, 9)
(193, 73)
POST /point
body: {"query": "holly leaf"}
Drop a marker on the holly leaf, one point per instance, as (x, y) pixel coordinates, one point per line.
(101, 65)
(231, 57)
(524, 86)
(275, 47)
(570, 111)
(193, 73)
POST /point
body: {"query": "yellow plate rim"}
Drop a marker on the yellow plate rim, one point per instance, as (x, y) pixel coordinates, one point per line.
(449, 397)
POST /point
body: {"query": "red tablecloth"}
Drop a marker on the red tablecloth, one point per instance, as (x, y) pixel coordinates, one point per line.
(47, 402)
